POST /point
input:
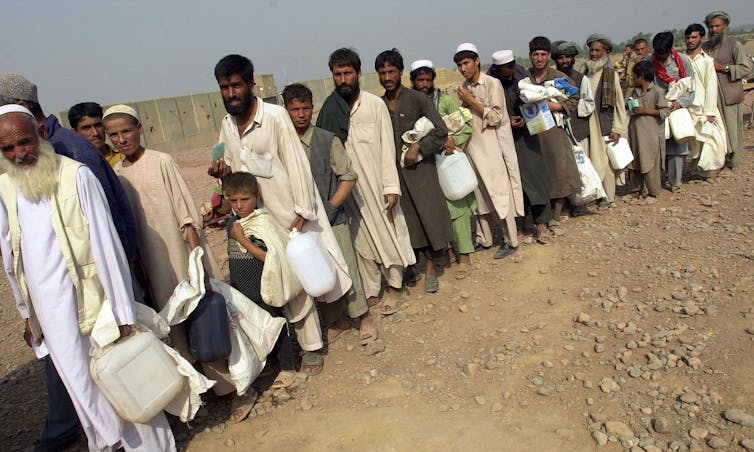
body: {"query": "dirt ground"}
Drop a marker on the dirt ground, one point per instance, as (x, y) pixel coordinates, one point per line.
(635, 328)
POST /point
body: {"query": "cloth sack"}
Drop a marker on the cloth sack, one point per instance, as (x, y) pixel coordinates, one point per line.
(591, 184)
(421, 129)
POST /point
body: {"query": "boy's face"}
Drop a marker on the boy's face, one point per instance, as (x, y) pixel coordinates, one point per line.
(92, 129)
(242, 203)
(468, 67)
(300, 113)
(125, 134)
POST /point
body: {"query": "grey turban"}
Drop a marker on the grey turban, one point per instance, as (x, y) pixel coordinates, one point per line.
(15, 87)
(607, 42)
(564, 48)
(715, 14)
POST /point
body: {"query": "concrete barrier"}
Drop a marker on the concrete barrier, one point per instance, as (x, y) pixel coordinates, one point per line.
(193, 120)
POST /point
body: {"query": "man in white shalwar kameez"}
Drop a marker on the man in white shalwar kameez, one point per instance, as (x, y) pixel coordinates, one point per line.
(260, 139)
(54, 227)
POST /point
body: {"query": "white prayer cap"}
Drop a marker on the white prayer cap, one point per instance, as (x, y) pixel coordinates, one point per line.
(121, 108)
(15, 108)
(420, 64)
(467, 46)
(502, 57)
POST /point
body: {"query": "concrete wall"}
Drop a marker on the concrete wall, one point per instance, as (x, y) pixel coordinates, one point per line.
(193, 120)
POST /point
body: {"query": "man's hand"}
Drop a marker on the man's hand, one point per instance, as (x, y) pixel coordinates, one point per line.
(465, 96)
(710, 118)
(125, 331)
(298, 223)
(719, 67)
(449, 145)
(28, 337)
(517, 121)
(554, 106)
(412, 154)
(675, 106)
(219, 169)
(614, 137)
(392, 201)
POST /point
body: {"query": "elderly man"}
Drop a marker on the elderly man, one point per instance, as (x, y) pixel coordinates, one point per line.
(381, 238)
(557, 150)
(44, 201)
(732, 65)
(423, 204)
(61, 425)
(536, 185)
(86, 119)
(610, 120)
(671, 66)
(499, 194)
(260, 139)
(705, 97)
(461, 210)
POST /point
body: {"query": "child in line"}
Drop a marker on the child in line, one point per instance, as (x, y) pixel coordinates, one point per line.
(253, 236)
(646, 130)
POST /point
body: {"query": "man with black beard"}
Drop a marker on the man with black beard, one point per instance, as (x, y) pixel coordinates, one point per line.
(381, 239)
(260, 139)
(609, 120)
(732, 64)
(564, 54)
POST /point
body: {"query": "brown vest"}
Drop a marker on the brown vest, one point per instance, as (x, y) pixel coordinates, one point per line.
(733, 92)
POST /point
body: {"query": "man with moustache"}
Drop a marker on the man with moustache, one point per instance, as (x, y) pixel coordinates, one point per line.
(63, 260)
(705, 93)
(61, 426)
(259, 138)
(609, 118)
(557, 150)
(732, 65)
(564, 54)
(381, 238)
(423, 203)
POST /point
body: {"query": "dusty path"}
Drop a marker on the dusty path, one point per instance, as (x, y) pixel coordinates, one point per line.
(631, 329)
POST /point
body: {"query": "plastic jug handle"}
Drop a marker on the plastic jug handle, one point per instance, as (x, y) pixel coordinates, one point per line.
(294, 232)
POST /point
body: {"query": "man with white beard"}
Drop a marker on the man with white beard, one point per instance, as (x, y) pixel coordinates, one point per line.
(62, 258)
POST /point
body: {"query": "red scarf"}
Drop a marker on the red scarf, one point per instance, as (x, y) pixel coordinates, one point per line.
(662, 74)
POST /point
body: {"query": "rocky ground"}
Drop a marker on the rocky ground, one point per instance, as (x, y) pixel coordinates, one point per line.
(632, 331)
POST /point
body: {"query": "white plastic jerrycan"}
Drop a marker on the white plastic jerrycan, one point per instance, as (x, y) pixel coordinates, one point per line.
(682, 126)
(457, 177)
(311, 262)
(137, 376)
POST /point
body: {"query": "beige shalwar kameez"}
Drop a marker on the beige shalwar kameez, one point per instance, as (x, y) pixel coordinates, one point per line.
(493, 154)
(597, 144)
(380, 237)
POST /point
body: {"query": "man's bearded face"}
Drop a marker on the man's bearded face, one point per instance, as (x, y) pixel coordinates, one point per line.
(236, 93)
(564, 62)
(346, 80)
(423, 82)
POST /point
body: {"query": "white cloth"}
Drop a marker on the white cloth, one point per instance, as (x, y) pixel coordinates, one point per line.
(54, 299)
(421, 129)
(271, 139)
(712, 141)
(586, 98)
(531, 93)
(253, 330)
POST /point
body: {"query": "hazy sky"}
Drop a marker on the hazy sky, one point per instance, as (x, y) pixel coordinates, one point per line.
(108, 51)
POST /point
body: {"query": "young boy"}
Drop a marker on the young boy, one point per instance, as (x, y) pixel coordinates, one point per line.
(646, 131)
(252, 233)
(168, 227)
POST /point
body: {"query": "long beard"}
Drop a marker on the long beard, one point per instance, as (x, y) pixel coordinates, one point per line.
(715, 41)
(39, 181)
(596, 66)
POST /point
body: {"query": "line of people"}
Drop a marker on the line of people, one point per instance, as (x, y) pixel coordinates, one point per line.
(372, 194)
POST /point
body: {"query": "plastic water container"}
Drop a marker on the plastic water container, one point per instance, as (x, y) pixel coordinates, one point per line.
(311, 262)
(620, 154)
(137, 376)
(682, 126)
(457, 177)
(208, 332)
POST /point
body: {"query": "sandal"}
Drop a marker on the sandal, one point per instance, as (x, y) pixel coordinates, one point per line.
(312, 363)
(284, 379)
(464, 270)
(241, 406)
(390, 305)
(431, 284)
(367, 332)
(373, 301)
(543, 239)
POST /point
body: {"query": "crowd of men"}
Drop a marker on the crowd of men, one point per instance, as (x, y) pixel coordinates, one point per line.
(82, 220)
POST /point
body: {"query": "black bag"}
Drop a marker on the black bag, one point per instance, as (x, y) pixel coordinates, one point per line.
(208, 333)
